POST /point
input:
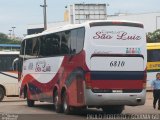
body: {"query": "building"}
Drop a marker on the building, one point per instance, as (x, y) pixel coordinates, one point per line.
(79, 13)
(151, 21)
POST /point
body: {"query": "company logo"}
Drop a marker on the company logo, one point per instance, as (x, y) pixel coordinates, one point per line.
(133, 50)
(119, 35)
(41, 66)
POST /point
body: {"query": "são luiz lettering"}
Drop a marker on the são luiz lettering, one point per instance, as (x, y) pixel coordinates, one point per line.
(119, 36)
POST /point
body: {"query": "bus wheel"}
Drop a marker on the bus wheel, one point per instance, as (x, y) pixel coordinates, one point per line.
(2, 93)
(113, 109)
(30, 103)
(66, 108)
(58, 107)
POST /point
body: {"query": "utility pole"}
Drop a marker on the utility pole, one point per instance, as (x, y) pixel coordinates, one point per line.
(13, 31)
(44, 14)
(10, 33)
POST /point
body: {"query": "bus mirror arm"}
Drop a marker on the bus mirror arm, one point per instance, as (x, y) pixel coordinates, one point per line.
(15, 64)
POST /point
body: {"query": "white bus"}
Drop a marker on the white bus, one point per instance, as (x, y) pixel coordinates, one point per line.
(98, 64)
(8, 73)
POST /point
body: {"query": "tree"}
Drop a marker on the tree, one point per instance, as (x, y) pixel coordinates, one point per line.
(4, 39)
(153, 37)
(3, 36)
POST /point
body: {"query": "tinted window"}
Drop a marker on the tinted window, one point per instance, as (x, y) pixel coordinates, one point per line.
(56, 44)
(65, 42)
(28, 49)
(80, 39)
(22, 48)
(32, 47)
(73, 41)
(77, 40)
(35, 47)
(153, 55)
(50, 45)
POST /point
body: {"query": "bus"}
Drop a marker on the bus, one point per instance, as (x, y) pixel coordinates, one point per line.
(100, 64)
(153, 62)
(8, 75)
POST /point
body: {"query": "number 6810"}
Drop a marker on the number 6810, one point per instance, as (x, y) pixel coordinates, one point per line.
(117, 63)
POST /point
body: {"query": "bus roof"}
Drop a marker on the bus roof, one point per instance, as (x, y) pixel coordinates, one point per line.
(57, 29)
(88, 23)
(151, 46)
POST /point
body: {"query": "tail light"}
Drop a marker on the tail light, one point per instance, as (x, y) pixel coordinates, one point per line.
(88, 80)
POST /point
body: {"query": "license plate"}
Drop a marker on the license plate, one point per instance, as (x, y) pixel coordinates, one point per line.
(117, 91)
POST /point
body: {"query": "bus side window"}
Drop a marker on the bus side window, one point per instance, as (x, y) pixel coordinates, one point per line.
(73, 41)
(65, 42)
(28, 50)
(80, 39)
(50, 45)
(77, 40)
(22, 47)
(35, 47)
(42, 46)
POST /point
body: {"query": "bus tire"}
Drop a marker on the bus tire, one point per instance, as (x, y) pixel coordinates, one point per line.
(30, 103)
(117, 109)
(58, 107)
(2, 94)
(66, 108)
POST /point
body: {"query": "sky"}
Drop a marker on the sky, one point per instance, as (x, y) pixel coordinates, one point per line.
(21, 13)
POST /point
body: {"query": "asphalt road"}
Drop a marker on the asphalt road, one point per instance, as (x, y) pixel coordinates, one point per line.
(14, 108)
